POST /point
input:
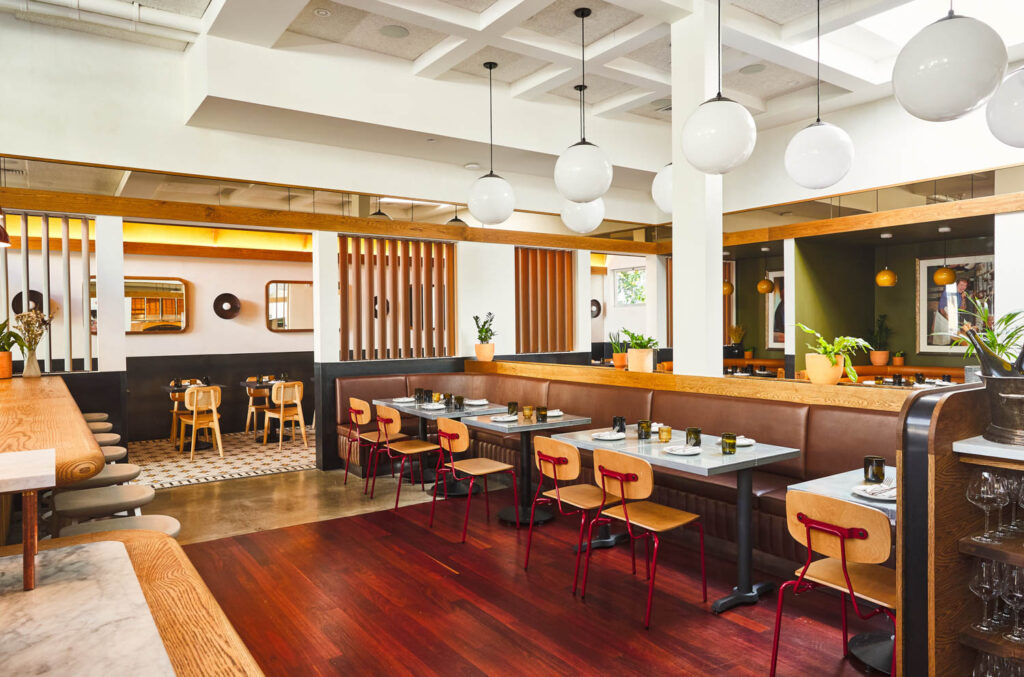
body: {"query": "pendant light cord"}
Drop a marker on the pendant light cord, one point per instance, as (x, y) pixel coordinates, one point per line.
(819, 61)
(583, 78)
(719, 49)
(490, 114)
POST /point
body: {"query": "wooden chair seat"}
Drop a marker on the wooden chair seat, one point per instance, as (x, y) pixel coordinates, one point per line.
(410, 447)
(651, 516)
(372, 438)
(480, 466)
(871, 582)
(202, 417)
(584, 496)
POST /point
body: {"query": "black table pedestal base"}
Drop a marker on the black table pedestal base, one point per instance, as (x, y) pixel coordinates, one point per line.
(874, 649)
(508, 516)
(457, 489)
(736, 597)
(604, 539)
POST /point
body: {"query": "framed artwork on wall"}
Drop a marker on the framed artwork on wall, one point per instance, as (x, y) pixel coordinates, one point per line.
(775, 313)
(943, 309)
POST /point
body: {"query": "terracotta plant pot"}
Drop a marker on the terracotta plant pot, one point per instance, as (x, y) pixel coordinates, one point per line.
(879, 358)
(748, 354)
(5, 365)
(619, 360)
(640, 359)
(898, 361)
(821, 371)
(484, 351)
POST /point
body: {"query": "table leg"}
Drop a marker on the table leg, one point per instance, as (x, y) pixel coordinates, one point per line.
(605, 539)
(29, 538)
(874, 649)
(745, 592)
(525, 485)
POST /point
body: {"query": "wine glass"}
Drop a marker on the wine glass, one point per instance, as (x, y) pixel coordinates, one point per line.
(1012, 592)
(1012, 481)
(986, 583)
(988, 492)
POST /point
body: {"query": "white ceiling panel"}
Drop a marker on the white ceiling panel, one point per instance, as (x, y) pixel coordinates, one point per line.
(598, 89)
(782, 11)
(356, 28)
(657, 54)
(511, 66)
(193, 8)
(557, 20)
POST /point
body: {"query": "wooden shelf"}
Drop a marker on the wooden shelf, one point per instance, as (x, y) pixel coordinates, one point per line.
(993, 462)
(979, 451)
(1010, 550)
(991, 642)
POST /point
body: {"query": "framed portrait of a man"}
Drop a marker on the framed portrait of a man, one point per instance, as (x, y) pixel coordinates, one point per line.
(943, 309)
(775, 313)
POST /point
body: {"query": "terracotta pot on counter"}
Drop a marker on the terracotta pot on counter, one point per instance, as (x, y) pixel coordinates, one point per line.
(619, 360)
(748, 354)
(5, 365)
(879, 358)
(484, 351)
(821, 371)
(640, 359)
(898, 361)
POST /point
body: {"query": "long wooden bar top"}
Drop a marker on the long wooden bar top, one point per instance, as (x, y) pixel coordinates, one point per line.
(803, 392)
(197, 635)
(39, 413)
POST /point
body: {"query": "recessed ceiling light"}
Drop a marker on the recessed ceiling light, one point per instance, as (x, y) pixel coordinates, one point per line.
(472, 165)
(945, 229)
(394, 31)
(322, 12)
(753, 69)
(886, 236)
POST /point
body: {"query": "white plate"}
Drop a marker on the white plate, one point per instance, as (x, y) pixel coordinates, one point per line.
(555, 413)
(741, 441)
(609, 436)
(432, 406)
(504, 418)
(476, 403)
(678, 450)
(403, 400)
(859, 490)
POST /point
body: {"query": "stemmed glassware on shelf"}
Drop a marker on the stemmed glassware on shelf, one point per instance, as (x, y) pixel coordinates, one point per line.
(988, 491)
(1011, 481)
(986, 583)
(988, 665)
(1012, 594)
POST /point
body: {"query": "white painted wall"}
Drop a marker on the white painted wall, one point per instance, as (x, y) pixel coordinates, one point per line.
(485, 282)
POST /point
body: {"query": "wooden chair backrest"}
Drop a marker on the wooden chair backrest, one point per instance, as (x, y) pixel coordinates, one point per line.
(874, 549)
(626, 464)
(557, 449)
(257, 392)
(289, 392)
(357, 405)
(202, 398)
(458, 445)
(389, 422)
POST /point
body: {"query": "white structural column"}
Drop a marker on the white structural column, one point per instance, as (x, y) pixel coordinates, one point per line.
(326, 297)
(696, 206)
(789, 298)
(485, 282)
(657, 297)
(111, 342)
(581, 313)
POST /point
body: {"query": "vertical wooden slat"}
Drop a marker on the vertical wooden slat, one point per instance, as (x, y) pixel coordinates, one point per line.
(382, 299)
(540, 263)
(344, 247)
(523, 283)
(439, 308)
(449, 295)
(569, 315)
(417, 298)
(45, 259)
(428, 299)
(556, 335)
(395, 296)
(357, 297)
(24, 263)
(368, 292)
(65, 278)
(87, 314)
(407, 304)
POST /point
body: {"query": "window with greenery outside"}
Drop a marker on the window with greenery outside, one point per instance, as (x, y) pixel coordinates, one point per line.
(631, 287)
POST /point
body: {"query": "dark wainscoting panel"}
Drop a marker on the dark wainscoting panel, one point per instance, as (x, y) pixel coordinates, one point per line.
(99, 391)
(147, 410)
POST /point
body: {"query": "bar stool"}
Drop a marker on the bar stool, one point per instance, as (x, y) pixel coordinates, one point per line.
(95, 417)
(101, 501)
(854, 540)
(389, 423)
(629, 477)
(107, 439)
(287, 406)
(100, 426)
(456, 435)
(253, 410)
(201, 404)
(113, 454)
(561, 462)
(162, 523)
(114, 473)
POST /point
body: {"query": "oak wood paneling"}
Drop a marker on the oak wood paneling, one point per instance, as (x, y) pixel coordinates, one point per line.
(545, 296)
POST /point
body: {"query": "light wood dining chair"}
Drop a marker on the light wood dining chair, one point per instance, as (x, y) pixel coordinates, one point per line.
(359, 415)
(286, 399)
(254, 409)
(178, 399)
(201, 403)
(395, 445)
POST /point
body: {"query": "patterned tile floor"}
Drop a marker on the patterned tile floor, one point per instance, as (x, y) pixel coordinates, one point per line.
(163, 466)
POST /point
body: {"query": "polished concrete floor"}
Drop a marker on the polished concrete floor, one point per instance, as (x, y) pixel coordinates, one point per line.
(241, 506)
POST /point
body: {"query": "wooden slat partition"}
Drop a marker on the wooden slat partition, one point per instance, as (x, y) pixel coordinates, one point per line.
(400, 298)
(544, 300)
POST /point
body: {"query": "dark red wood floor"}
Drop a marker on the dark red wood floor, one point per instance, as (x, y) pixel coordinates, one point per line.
(383, 593)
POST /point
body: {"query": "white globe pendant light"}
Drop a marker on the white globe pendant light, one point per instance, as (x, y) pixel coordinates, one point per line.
(821, 154)
(491, 199)
(583, 217)
(720, 135)
(948, 69)
(583, 172)
(661, 189)
(1005, 110)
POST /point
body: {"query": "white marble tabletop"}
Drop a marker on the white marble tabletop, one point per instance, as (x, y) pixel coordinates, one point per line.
(710, 461)
(841, 485)
(28, 470)
(521, 425)
(433, 414)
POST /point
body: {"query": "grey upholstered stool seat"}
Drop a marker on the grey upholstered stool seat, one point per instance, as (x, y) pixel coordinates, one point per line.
(115, 473)
(163, 523)
(107, 439)
(96, 416)
(112, 454)
(102, 501)
(101, 426)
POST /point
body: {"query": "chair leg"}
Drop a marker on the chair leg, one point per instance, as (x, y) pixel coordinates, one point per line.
(401, 470)
(647, 560)
(469, 500)
(892, 668)
(192, 457)
(529, 534)
(632, 546)
(348, 461)
(248, 417)
(579, 550)
(266, 427)
(650, 588)
(433, 502)
(846, 636)
(376, 463)
(302, 427)
(586, 566)
(778, 624)
(487, 499)
(282, 426)
(216, 434)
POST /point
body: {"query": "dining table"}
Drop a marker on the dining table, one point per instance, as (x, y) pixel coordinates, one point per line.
(525, 427)
(707, 462)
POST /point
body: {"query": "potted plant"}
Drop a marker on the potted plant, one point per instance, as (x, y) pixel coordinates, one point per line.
(826, 365)
(8, 339)
(880, 340)
(484, 335)
(735, 349)
(640, 356)
(32, 326)
(618, 350)
(898, 358)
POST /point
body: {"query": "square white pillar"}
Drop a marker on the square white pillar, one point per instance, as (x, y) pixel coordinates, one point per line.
(326, 297)
(581, 313)
(111, 342)
(657, 298)
(485, 281)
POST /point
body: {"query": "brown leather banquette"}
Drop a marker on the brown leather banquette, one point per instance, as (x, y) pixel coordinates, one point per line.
(833, 439)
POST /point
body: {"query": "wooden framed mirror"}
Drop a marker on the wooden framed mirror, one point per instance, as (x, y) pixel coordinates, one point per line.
(152, 305)
(289, 305)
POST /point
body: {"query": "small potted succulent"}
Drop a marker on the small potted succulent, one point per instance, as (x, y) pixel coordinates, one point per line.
(899, 358)
(879, 338)
(640, 356)
(484, 335)
(618, 350)
(825, 366)
(8, 339)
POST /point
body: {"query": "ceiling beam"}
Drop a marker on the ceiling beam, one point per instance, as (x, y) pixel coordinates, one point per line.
(835, 17)
(257, 22)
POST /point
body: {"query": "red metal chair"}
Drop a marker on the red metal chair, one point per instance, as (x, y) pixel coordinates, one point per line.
(561, 462)
(453, 437)
(389, 425)
(358, 416)
(855, 540)
(632, 478)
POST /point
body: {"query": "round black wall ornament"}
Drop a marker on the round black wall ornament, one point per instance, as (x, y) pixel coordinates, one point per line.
(595, 308)
(227, 306)
(35, 302)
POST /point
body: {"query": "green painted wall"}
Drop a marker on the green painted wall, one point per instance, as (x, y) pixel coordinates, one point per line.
(750, 311)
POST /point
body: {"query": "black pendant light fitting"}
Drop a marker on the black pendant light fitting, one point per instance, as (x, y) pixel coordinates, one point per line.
(490, 66)
(456, 221)
(582, 13)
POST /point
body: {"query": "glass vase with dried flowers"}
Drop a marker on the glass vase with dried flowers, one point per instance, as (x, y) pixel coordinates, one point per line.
(32, 326)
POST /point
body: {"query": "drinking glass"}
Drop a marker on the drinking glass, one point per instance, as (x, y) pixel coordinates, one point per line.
(1004, 500)
(664, 434)
(987, 492)
(1012, 481)
(897, 379)
(693, 437)
(513, 408)
(643, 430)
(428, 395)
(879, 380)
(419, 395)
(435, 397)
(985, 583)
(1012, 593)
(619, 424)
(527, 411)
(449, 400)
(542, 414)
(987, 665)
(874, 470)
(728, 443)
(460, 402)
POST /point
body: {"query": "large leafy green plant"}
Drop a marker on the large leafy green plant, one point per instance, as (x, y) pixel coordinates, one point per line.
(879, 337)
(484, 331)
(10, 338)
(847, 346)
(616, 340)
(1003, 335)
(639, 341)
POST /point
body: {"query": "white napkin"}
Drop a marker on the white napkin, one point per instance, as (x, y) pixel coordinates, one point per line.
(879, 490)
